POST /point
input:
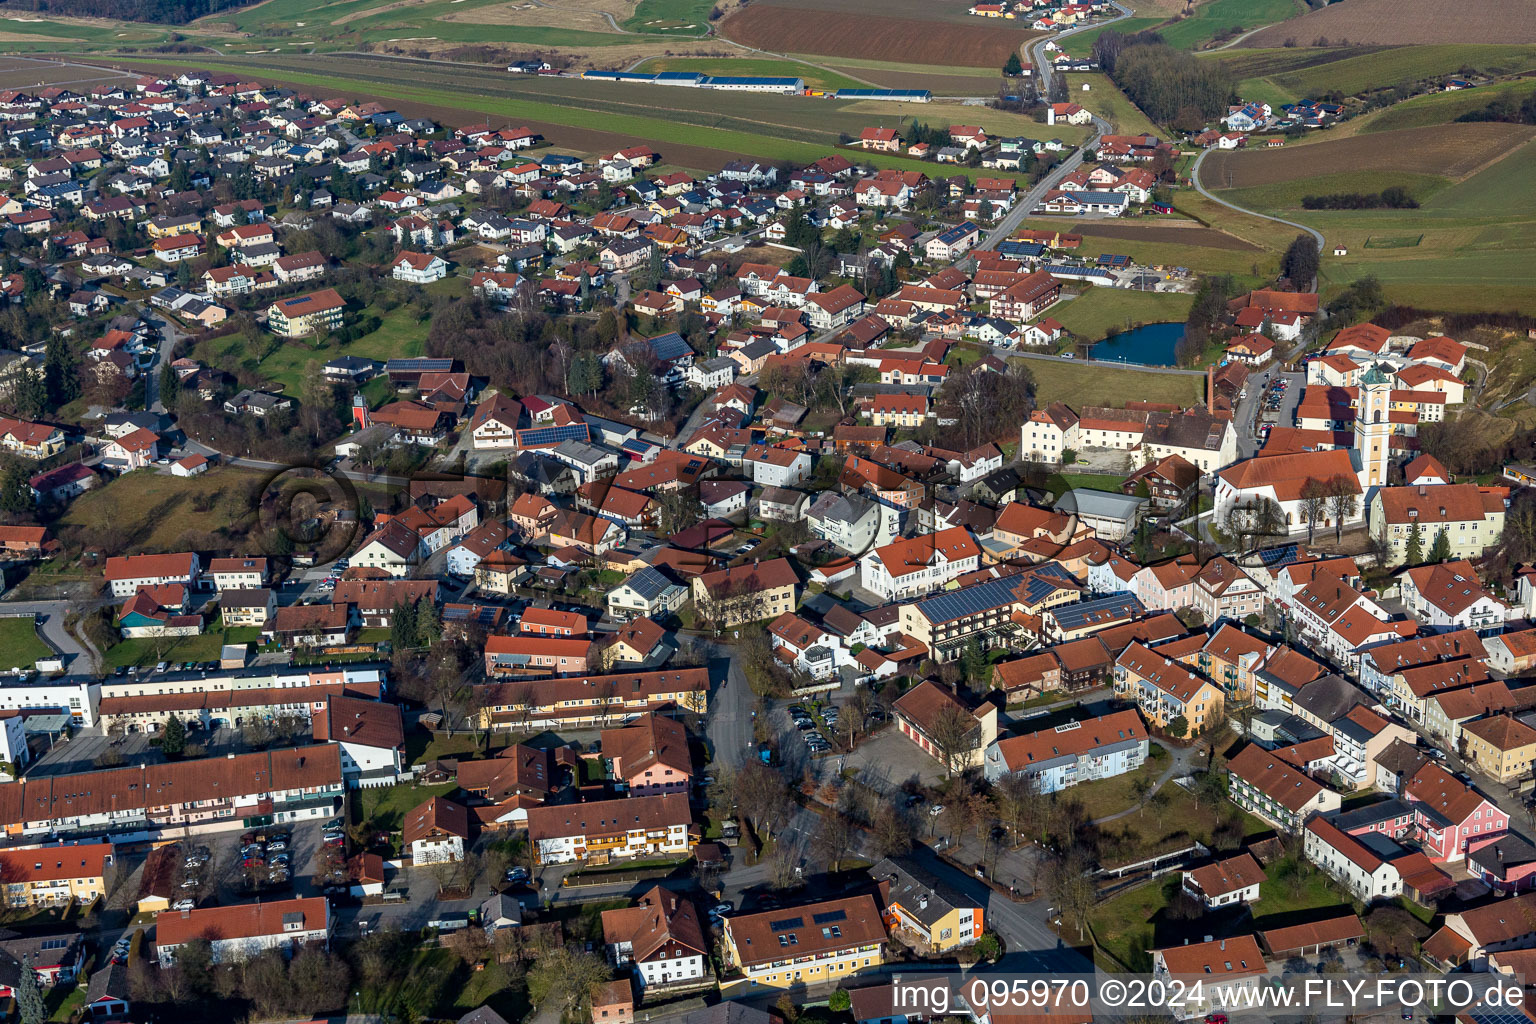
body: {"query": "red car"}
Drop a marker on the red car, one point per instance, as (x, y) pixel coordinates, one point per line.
(1215, 1018)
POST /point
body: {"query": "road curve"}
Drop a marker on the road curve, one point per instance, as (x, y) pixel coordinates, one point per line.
(1194, 176)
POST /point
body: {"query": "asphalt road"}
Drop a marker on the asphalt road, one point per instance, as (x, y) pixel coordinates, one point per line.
(1194, 176)
(170, 334)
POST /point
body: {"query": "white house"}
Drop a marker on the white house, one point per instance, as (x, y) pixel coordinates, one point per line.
(914, 566)
(127, 573)
(245, 930)
(436, 831)
(418, 268)
(641, 826)
(1225, 882)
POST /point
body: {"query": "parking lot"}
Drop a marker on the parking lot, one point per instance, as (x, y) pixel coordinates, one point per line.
(81, 752)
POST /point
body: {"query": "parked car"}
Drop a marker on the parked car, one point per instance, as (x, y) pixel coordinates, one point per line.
(184, 905)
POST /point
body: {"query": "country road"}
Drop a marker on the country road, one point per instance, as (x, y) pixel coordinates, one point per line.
(1032, 198)
(1194, 176)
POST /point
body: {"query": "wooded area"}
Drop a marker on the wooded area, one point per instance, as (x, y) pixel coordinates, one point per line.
(166, 12)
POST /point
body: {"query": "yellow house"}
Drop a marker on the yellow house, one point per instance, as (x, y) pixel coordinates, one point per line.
(171, 226)
(1165, 690)
(803, 946)
(933, 916)
(1502, 747)
(55, 874)
(746, 593)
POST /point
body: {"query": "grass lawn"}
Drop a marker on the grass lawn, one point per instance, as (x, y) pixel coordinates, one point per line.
(145, 651)
(64, 1001)
(1124, 925)
(401, 335)
(672, 17)
(1110, 796)
(19, 643)
(1079, 383)
(1282, 903)
(1060, 483)
(815, 78)
(1248, 266)
(1105, 99)
(157, 509)
(1091, 315)
(385, 808)
(421, 746)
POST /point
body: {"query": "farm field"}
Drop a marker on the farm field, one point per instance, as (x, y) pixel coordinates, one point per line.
(951, 83)
(1080, 44)
(1092, 315)
(597, 117)
(1217, 16)
(1080, 383)
(1286, 75)
(1152, 242)
(1439, 108)
(814, 77)
(952, 11)
(1452, 151)
(1465, 248)
(1407, 22)
(876, 37)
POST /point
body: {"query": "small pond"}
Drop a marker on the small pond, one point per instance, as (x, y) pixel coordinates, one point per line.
(1149, 344)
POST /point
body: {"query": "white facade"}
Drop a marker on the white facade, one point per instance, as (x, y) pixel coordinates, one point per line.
(437, 850)
(79, 700)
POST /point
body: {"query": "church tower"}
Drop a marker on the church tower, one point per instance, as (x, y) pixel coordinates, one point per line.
(1373, 428)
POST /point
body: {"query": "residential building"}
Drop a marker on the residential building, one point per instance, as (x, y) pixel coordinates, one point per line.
(1225, 882)
(245, 930)
(602, 830)
(808, 945)
(927, 912)
(1060, 756)
(660, 938)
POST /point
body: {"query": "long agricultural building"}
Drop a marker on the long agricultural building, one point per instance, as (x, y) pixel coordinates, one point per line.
(754, 83)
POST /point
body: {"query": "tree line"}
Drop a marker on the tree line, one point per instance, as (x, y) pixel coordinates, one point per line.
(166, 12)
(1394, 197)
(1504, 109)
(1172, 86)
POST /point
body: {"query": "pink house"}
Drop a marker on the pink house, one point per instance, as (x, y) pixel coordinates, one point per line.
(650, 756)
(1449, 816)
(1506, 864)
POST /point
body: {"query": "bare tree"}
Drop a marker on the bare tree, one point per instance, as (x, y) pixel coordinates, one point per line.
(834, 839)
(953, 735)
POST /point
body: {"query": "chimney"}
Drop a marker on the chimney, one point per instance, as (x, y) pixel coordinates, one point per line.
(1423, 492)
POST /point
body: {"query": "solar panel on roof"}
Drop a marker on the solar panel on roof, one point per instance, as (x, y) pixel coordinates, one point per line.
(538, 436)
(786, 922)
(829, 917)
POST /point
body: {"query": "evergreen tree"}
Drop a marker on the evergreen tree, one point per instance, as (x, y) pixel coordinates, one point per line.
(403, 630)
(175, 739)
(1441, 549)
(1012, 67)
(29, 998)
(1415, 552)
(61, 372)
(1301, 261)
(429, 625)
